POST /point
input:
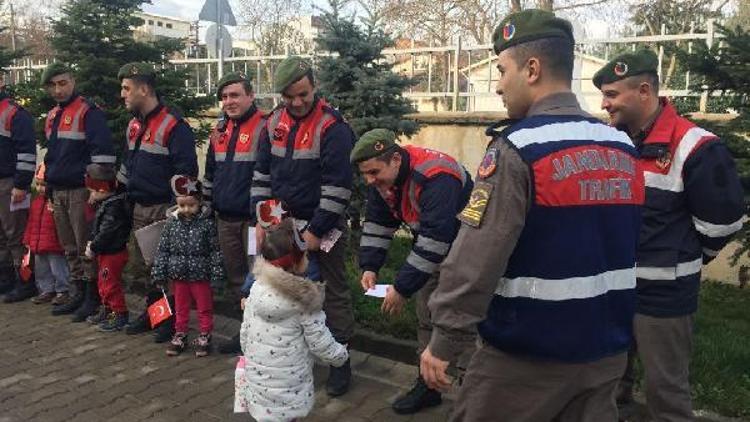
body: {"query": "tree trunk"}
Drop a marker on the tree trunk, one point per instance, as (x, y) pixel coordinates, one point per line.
(515, 6)
(545, 4)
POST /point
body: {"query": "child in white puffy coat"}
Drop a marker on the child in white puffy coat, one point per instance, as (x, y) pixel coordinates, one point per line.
(283, 327)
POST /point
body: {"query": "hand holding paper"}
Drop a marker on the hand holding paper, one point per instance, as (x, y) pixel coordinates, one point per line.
(378, 291)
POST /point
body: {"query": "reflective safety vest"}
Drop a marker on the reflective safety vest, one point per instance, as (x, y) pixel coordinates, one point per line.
(71, 125)
(296, 173)
(678, 237)
(568, 293)
(17, 156)
(426, 163)
(309, 135)
(8, 110)
(155, 135)
(149, 167)
(68, 149)
(230, 180)
(246, 148)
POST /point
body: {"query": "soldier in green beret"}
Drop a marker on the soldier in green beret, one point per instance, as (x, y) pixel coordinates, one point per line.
(305, 163)
(17, 165)
(161, 144)
(543, 266)
(694, 205)
(230, 162)
(433, 189)
(77, 135)
(635, 75)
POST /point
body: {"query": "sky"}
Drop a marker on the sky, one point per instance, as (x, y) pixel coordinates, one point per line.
(186, 9)
(189, 10)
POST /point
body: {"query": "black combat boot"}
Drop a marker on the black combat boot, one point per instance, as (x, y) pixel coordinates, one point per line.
(416, 399)
(90, 305)
(22, 290)
(231, 346)
(7, 279)
(74, 302)
(339, 379)
(141, 323)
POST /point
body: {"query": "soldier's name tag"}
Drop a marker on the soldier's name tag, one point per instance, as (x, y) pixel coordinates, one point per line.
(473, 213)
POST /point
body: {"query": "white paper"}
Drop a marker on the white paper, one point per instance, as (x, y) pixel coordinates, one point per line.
(23, 205)
(378, 291)
(252, 247)
(329, 240)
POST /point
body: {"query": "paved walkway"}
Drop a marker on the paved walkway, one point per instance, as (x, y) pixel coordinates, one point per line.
(54, 370)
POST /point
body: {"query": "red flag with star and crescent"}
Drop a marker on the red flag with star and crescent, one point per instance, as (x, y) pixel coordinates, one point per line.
(159, 311)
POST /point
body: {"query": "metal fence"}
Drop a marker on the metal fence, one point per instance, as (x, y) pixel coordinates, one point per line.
(454, 78)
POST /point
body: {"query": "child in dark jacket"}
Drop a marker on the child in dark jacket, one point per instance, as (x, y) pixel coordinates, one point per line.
(108, 244)
(50, 267)
(189, 257)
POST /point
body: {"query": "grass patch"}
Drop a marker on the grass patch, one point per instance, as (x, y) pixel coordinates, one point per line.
(367, 309)
(720, 369)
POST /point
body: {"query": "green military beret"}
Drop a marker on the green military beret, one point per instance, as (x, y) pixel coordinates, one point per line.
(529, 25)
(53, 70)
(231, 78)
(141, 71)
(372, 144)
(627, 65)
(289, 71)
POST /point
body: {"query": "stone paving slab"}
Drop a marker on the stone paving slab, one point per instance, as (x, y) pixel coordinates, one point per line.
(54, 370)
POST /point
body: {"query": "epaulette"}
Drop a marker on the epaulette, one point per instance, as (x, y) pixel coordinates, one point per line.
(497, 128)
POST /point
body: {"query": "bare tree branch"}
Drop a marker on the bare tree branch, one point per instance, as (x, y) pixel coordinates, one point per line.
(576, 5)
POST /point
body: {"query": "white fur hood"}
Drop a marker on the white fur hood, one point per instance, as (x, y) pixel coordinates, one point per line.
(301, 293)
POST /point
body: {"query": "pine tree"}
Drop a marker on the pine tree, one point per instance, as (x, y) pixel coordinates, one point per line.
(724, 68)
(359, 82)
(96, 38)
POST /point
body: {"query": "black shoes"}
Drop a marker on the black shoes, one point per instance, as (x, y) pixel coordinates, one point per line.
(74, 302)
(91, 302)
(231, 346)
(164, 331)
(339, 379)
(22, 291)
(416, 399)
(138, 325)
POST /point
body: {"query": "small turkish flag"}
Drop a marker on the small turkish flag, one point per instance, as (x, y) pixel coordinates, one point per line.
(25, 270)
(159, 311)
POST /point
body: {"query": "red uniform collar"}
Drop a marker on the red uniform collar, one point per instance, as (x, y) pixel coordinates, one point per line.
(318, 104)
(662, 130)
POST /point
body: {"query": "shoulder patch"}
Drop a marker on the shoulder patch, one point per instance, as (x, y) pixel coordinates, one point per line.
(489, 163)
(473, 213)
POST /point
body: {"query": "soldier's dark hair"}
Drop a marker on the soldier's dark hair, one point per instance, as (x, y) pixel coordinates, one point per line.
(652, 79)
(387, 156)
(141, 80)
(555, 54)
(248, 86)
